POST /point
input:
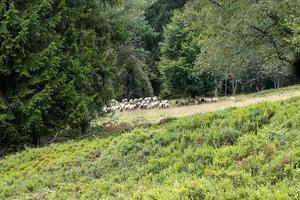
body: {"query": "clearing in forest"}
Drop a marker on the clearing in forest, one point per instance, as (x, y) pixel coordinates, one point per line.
(154, 116)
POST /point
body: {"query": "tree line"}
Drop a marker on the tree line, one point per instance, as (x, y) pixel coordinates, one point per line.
(228, 47)
(61, 61)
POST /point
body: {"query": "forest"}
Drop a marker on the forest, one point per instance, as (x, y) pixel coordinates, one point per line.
(62, 61)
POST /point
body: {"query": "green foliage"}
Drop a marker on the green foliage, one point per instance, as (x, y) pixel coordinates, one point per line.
(55, 67)
(179, 54)
(61, 61)
(134, 76)
(158, 15)
(247, 153)
(244, 45)
(160, 12)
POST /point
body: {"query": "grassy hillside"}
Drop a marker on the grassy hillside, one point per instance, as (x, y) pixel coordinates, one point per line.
(245, 153)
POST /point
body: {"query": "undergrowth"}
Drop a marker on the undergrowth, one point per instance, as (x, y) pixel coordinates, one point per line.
(245, 153)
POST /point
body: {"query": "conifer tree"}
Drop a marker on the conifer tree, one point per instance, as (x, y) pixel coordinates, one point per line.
(55, 66)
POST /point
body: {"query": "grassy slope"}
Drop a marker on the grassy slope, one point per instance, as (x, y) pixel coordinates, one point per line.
(245, 153)
(276, 91)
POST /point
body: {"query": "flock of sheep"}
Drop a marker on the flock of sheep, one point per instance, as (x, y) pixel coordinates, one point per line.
(151, 103)
(195, 101)
(133, 104)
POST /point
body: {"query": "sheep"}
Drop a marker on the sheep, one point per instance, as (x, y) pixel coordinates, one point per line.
(161, 105)
(114, 102)
(155, 98)
(154, 104)
(215, 99)
(164, 104)
(144, 105)
(207, 100)
(179, 103)
(202, 100)
(127, 107)
(197, 102)
(132, 107)
(106, 109)
(148, 99)
(114, 108)
(132, 104)
(147, 106)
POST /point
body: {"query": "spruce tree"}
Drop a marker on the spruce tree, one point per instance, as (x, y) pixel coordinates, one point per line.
(55, 67)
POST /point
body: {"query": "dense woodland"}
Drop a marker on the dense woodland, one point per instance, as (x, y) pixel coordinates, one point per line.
(231, 46)
(61, 61)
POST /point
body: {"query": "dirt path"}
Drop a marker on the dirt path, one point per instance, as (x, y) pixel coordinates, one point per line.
(155, 115)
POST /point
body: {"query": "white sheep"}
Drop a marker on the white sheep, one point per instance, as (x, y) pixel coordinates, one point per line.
(207, 100)
(154, 104)
(215, 99)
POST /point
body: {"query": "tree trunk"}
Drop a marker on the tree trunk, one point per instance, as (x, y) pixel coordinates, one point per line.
(234, 87)
(216, 93)
(226, 83)
(277, 83)
(35, 139)
(257, 89)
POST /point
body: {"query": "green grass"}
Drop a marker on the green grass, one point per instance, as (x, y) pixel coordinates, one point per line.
(276, 91)
(268, 92)
(238, 153)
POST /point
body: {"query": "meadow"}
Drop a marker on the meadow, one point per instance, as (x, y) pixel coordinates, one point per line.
(237, 153)
(155, 116)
